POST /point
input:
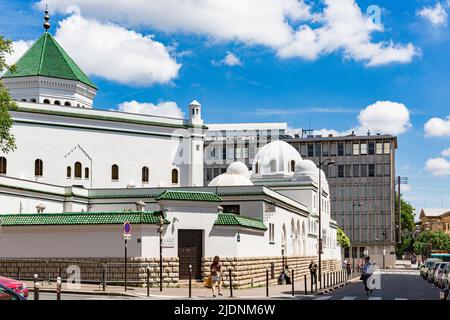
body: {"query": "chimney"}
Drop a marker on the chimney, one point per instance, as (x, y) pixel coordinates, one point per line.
(140, 206)
(40, 208)
(219, 209)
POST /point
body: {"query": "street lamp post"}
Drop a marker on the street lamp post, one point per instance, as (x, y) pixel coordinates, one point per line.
(354, 204)
(384, 248)
(321, 163)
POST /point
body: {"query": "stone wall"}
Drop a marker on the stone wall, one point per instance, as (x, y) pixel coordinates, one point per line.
(245, 272)
(251, 272)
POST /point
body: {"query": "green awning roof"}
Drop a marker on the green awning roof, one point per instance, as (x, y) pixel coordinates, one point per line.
(189, 196)
(80, 218)
(230, 219)
(47, 58)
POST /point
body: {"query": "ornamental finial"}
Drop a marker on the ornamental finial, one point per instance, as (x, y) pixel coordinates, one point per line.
(46, 18)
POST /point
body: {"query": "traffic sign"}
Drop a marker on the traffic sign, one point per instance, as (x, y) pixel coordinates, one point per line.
(127, 228)
(127, 236)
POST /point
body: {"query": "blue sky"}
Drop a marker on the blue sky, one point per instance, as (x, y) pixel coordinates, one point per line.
(268, 77)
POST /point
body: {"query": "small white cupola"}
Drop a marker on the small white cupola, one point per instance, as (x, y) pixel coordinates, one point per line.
(195, 113)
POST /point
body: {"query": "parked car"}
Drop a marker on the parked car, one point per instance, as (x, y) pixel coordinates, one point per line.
(8, 294)
(442, 271)
(445, 278)
(432, 270)
(15, 285)
(437, 273)
(428, 265)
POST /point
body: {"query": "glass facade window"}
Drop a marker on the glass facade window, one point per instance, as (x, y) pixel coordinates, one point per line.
(363, 148)
(379, 148)
(387, 169)
(387, 148)
(371, 170)
(348, 170)
(356, 149)
(340, 149)
(371, 148)
(340, 171)
(379, 168)
(318, 149)
(310, 150)
(363, 170)
(356, 170)
(348, 148)
(326, 149)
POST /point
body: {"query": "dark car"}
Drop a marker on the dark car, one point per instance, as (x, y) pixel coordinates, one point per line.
(8, 294)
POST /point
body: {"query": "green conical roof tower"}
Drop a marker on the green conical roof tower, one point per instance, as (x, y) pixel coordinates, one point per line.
(48, 59)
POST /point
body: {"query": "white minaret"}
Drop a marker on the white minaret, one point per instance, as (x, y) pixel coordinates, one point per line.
(195, 113)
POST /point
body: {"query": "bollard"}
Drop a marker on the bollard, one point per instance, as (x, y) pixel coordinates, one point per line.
(190, 281)
(267, 282)
(312, 285)
(35, 278)
(328, 279)
(315, 283)
(104, 279)
(148, 281)
(292, 282)
(58, 288)
(36, 291)
(306, 285)
(231, 283)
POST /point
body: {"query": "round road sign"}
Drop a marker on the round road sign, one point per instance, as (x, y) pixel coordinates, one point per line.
(127, 228)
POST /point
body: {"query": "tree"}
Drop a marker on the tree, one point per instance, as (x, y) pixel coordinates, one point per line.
(7, 140)
(343, 239)
(431, 240)
(407, 228)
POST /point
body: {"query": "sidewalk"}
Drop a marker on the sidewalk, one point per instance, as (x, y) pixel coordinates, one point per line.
(275, 292)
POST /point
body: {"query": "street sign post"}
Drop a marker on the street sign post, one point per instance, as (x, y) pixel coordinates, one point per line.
(126, 237)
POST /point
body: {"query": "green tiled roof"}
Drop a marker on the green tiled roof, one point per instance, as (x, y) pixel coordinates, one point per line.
(230, 219)
(80, 218)
(47, 58)
(189, 196)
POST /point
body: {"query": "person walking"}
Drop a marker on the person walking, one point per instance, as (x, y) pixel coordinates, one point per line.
(216, 275)
(349, 268)
(313, 271)
(367, 271)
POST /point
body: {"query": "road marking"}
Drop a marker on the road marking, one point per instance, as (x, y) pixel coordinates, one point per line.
(375, 298)
(401, 299)
(323, 298)
(348, 298)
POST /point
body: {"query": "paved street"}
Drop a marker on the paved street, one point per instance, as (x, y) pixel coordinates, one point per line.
(395, 285)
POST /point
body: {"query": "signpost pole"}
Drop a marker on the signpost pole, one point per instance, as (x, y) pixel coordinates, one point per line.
(126, 237)
(126, 269)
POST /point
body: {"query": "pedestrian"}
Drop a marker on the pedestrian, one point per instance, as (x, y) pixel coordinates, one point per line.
(216, 275)
(349, 268)
(313, 270)
(286, 275)
(367, 271)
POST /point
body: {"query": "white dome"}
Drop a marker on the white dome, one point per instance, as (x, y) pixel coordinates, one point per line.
(275, 159)
(238, 168)
(306, 167)
(236, 175)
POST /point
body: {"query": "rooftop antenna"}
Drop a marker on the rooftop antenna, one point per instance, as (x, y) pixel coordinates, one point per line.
(46, 18)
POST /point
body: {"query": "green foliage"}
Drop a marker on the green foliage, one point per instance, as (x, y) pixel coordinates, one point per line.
(431, 240)
(7, 140)
(407, 215)
(407, 245)
(343, 239)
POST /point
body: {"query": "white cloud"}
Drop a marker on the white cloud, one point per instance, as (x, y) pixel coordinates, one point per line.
(405, 187)
(290, 27)
(19, 48)
(438, 166)
(436, 15)
(162, 109)
(115, 53)
(384, 117)
(446, 152)
(230, 60)
(437, 127)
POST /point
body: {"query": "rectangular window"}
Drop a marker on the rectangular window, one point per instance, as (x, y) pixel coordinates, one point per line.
(303, 150)
(271, 233)
(348, 148)
(379, 168)
(340, 149)
(363, 148)
(333, 149)
(340, 171)
(356, 149)
(361, 252)
(371, 170)
(363, 170)
(348, 170)
(326, 149)
(232, 208)
(387, 148)
(371, 148)
(356, 170)
(387, 169)
(310, 150)
(318, 149)
(379, 148)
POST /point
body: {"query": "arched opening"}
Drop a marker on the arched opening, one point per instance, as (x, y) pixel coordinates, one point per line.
(69, 172)
(33, 100)
(257, 167)
(145, 174)
(3, 165)
(304, 232)
(297, 238)
(78, 170)
(283, 240)
(57, 103)
(293, 235)
(115, 172)
(46, 101)
(292, 165)
(86, 173)
(24, 100)
(174, 176)
(67, 104)
(273, 165)
(38, 168)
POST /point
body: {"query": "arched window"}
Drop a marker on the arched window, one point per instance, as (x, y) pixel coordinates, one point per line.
(33, 100)
(46, 101)
(57, 102)
(145, 174)
(273, 165)
(86, 173)
(69, 172)
(292, 165)
(78, 170)
(2, 165)
(174, 176)
(67, 104)
(24, 100)
(115, 172)
(38, 168)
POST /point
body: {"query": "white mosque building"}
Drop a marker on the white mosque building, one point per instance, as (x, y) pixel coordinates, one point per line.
(79, 173)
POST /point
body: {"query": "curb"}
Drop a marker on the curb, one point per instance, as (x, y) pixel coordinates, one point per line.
(86, 292)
